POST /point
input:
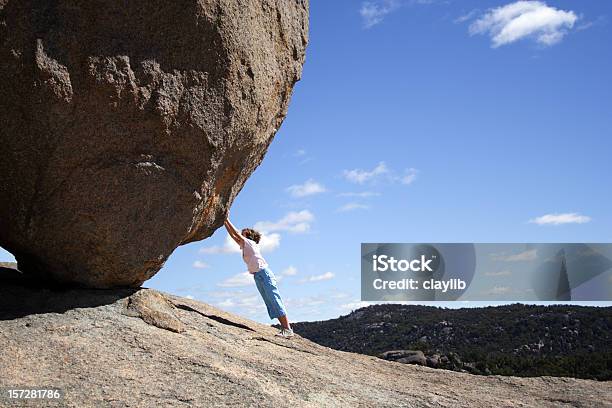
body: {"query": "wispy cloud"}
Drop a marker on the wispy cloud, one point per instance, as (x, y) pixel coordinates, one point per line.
(379, 173)
(353, 207)
(560, 219)
(317, 278)
(223, 293)
(295, 222)
(228, 247)
(528, 255)
(237, 281)
(247, 304)
(226, 303)
(361, 176)
(467, 16)
(498, 273)
(302, 156)
(362, 194)
(355, 305)
(599, 21)
(309, 301)
(524, 19)
(409, 176)
(200, 265)
(374, 12)
(308, 188)
(290, 271)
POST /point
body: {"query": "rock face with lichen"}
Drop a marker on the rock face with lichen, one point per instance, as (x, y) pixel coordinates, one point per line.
(127, 128)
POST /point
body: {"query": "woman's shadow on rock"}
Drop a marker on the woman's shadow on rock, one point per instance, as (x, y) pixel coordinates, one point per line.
(21, 296)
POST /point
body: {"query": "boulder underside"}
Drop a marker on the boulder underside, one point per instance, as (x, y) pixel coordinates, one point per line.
(128, 128)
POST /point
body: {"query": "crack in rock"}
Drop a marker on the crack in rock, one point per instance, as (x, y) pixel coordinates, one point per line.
(218, 319)
(261, 338)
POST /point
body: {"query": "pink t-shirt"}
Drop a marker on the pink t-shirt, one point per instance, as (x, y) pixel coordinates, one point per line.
(251, 254)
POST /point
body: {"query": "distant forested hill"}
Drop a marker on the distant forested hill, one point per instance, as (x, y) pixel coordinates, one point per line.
(521, 340)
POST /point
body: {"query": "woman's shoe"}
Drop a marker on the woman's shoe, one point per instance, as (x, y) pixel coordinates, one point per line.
(286, 333)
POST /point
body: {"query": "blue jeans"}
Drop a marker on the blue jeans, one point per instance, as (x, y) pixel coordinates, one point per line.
(266, 284)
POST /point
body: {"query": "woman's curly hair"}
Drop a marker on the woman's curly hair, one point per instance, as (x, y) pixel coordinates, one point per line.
(252, 234)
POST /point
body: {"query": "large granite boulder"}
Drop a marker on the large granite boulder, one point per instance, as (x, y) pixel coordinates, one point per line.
(127, 128)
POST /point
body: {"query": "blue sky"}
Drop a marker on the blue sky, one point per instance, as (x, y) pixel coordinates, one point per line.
(421, 121)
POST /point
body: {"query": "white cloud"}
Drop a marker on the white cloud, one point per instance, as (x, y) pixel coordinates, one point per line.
(409, 177)
(296, 222)
(248, 304)
(237, 281)
(200, 265)
(189, 297)
(560, 219)
(251, 301)
(317, 278)
(268, 243)
(465, 17)
(373, 12)
(290, 271)
(360, 176)
(528, 255)
(362, 194)
(300, 153)
(524, 19)
(353, 207)
(310, 187)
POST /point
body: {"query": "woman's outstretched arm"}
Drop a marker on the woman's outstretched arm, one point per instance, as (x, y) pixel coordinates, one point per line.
(233, 232)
